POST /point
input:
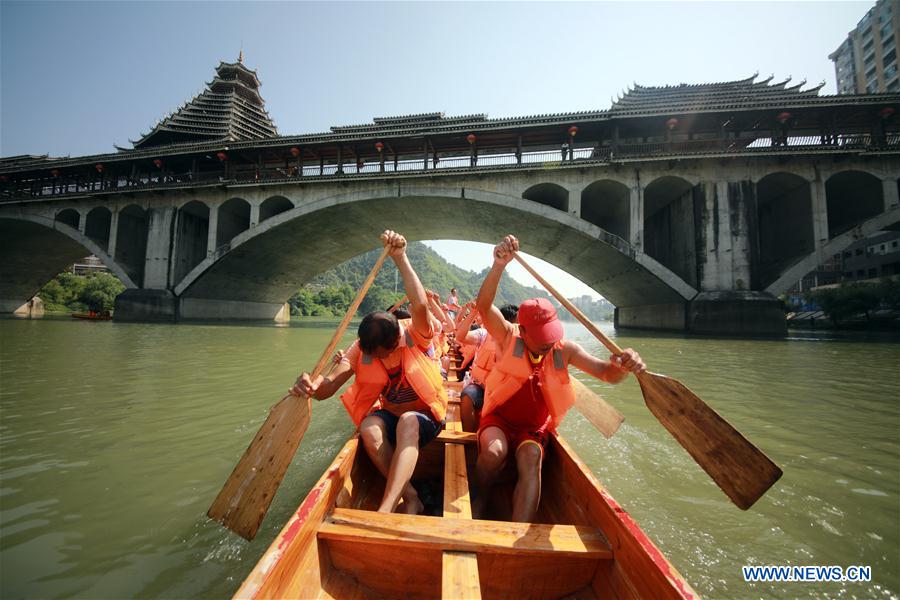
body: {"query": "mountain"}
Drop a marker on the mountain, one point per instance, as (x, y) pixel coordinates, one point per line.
(330, 293)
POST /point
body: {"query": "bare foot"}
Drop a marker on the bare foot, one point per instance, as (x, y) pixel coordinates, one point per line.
(413, 506)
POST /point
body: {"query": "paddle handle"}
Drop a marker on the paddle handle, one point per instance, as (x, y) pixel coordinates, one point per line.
(351, 312)
(610, 345)
(399, 302)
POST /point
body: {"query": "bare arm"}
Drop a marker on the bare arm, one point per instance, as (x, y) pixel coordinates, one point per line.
(494, 322)
(465, 324)
(612, 371)
(323, 387)
(438, 311)
(418, 301)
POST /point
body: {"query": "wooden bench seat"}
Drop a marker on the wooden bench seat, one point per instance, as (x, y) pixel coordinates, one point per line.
(482, 537)
(449, 436)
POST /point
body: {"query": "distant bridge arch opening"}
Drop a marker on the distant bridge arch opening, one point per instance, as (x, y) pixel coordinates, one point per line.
(36, 249)
(548, 194)
(97, 226)
(131, 241)
(852, 197)
(256, 269)
(785, 223)
(274, 205)
(606, 204)
(669, 225)
(234, 218)
(70, 217)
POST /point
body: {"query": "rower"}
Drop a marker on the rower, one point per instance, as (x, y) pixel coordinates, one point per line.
(397, 398)
(528, 392)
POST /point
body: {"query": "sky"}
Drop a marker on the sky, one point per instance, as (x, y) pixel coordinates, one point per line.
(78, 77)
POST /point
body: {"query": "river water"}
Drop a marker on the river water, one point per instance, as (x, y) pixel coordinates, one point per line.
(115, 438)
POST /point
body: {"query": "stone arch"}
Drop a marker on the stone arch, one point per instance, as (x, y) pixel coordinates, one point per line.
(548, 194)
(97, 225)
(70, 217)
(35, 250)
(784, 223)
(852, 197)
(889, 219)
(670, 224)
(607, 204)
(131, 240)
(233, 218)
(192, 237)
(274, 205)
(254, 270)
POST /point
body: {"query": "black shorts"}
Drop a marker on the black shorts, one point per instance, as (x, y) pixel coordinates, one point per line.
(428, 427)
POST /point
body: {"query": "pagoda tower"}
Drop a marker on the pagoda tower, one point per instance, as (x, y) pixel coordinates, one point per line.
(229, 109)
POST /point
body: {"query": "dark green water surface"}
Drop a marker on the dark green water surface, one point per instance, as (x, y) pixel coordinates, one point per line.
(115, 438)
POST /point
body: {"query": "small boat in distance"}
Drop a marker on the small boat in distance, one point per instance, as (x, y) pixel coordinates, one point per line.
(582, 544)
(93, 316)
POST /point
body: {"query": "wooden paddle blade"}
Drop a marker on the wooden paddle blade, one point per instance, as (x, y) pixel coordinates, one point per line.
(738, 467)
(245, 498)
(596, 410)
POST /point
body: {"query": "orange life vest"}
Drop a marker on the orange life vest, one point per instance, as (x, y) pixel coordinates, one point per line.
(485, 358)
(371, 378)
(512, 370)
(468, 353)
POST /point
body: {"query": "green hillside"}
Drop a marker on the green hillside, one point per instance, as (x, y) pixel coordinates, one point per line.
(330, 293)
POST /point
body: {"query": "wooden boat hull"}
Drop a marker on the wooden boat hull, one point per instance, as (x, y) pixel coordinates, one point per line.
(582, 544)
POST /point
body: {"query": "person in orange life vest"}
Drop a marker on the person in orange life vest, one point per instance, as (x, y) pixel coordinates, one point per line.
(442, 331)
(397, 397)
(472, 395)
(453, 304)
(528, 391)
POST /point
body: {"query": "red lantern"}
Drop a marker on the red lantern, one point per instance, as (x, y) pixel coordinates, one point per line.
(886, 112)
(783, 117)
(99, 167)
(295, 151)
(572, 131)
(379, 146)
(158, 163)
(222, 156)
(55, 172)
(672, 123)
(471, 138)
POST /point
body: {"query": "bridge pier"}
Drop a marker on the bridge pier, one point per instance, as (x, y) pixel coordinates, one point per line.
(710, 313)
(162, 306)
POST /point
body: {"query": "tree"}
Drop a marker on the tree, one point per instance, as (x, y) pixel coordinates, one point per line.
(100, 291)
(847, 300)
(378, 298)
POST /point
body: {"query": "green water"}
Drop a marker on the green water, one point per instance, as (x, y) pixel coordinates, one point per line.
(115, 438)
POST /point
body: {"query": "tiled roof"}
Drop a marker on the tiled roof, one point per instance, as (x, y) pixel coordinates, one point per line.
(686, 98)
(230, 109)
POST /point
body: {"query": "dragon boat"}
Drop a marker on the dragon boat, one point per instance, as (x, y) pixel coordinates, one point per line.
(581, 544)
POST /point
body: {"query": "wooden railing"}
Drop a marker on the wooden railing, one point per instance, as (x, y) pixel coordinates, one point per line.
(243, 173)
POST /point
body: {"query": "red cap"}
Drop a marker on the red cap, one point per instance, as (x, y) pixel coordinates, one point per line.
(539, 318)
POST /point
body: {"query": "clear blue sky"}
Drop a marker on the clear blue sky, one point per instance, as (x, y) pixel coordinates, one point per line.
(78, 77)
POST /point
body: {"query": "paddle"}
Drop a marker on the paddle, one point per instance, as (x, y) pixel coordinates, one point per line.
(405, 298)
(245, 498)
(596, 410)
(738, 467)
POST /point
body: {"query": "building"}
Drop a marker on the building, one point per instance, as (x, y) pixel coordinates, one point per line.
(866, 62)
(874, 257)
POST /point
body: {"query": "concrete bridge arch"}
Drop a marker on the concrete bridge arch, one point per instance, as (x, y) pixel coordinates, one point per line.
(36, 249)
(259, 268)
